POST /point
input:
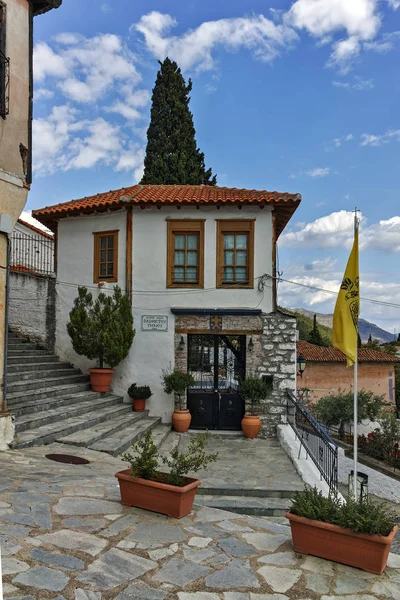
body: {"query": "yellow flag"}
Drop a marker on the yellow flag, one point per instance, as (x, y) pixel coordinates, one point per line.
(347, 309)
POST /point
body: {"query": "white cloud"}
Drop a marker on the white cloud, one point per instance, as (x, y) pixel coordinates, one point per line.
(51, 136)
(125, 110)
(384, 236)
(370, 139)
(68, 39)
(358, 84)
(106, 8)
(395, 4)
(48, 63)
(341, 84)
(384, 44)
(102, 144)
(43, 93)
(194, 48)
(331, 231)
(337, 142)
(319, 172)
(325, 265)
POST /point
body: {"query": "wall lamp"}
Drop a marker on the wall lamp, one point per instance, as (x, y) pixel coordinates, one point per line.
(301, 365)
(181, 345)
(251, 345)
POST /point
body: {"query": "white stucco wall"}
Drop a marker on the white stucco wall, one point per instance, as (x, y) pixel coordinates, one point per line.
(153, 351)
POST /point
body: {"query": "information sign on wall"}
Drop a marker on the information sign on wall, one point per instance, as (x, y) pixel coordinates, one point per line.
(154, 323)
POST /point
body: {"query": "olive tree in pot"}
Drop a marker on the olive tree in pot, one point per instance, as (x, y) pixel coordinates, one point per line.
(172, 494)
(358, 534)
(101, 329)
(139, 395)
(253, 389)
(177, 382)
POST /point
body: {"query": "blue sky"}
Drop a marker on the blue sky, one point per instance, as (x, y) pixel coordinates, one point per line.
(292, 96)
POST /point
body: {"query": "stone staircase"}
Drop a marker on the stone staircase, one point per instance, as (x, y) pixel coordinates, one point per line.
(52, 402)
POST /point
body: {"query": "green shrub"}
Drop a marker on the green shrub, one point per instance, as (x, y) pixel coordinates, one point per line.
(177, 382)
(361, 517)
(143, 458)
(139, 392)
(191, 461)
(254, 390)
(101, 329)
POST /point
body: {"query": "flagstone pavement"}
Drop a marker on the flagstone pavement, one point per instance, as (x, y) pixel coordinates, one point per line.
(65, 536)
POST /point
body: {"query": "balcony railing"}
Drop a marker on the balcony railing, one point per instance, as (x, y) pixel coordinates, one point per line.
(32, 254)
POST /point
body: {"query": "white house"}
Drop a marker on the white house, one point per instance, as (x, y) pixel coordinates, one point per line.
(198, 263)
(32, 249)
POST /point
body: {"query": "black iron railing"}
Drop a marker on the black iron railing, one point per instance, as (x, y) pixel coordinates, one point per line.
(4, 85)
(318, 444)
(32, 254)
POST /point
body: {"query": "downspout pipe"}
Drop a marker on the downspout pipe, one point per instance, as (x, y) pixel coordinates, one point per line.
(4, 409)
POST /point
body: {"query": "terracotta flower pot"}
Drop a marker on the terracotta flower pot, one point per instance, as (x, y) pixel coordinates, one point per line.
(139, 404)
(158, 497)
(100, 379)
(181, 420)
(364, 551)
(251, 426)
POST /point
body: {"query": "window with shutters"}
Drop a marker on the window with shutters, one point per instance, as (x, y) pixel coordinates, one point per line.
(235, 253)
(105, 256)
(185, 253)
(4, 65)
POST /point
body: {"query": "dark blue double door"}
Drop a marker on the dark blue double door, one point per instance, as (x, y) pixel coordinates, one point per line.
(218, 363)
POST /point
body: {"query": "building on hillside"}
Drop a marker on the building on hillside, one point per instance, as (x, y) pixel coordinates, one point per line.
(198, 263)
(16, 93)
(326, 372)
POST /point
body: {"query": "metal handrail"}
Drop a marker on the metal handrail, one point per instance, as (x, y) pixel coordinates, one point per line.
(317, 442)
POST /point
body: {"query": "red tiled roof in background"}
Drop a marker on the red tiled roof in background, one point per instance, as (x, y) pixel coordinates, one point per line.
(36, 229)
(313, 353)
(174, 195)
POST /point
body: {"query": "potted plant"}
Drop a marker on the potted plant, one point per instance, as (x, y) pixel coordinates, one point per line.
(358, 534)
(101, 329)
(177, 382)
(254, 390)
(139, 395)
(172, 494)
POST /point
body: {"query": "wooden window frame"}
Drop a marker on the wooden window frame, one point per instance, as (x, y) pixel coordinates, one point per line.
(96, 262)
(235, 226)
(185, 226)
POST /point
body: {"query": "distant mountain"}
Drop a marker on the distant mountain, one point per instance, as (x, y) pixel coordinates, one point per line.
(365, 327)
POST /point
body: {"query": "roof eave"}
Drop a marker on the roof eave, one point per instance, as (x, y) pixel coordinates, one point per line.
(43, 6)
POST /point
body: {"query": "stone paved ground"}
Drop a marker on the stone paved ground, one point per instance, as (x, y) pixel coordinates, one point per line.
(65, 536)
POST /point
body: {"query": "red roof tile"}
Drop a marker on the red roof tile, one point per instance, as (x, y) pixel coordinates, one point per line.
(182, 195)
(36, 229)
(313, 353)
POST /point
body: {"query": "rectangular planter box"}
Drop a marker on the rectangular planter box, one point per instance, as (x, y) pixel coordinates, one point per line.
(158, 497)
(367, 552)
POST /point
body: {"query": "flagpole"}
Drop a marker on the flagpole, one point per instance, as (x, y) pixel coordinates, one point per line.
(355, 416)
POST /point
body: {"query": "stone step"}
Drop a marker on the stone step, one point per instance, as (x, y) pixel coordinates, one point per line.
(160, 434)
(119, 441)
(13, 339)
(20, 345)
(34, 406)
(98, 432)
(27, 369)
(41, 374)
(47, 392)
(55, 415)
(30, 352)
(238, 490)
(32, 384)
(47, 434)
(35, 358)
(261, 507)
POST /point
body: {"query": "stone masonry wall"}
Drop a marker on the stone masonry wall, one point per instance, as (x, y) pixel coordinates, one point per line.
(279, 360)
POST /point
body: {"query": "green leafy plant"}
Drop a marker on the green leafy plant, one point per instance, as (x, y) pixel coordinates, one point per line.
(177, 382)
(101, 329)
(191, 461)
(254, 390)
(364, 516)
(143, 458)
(139, 392)
(337, 409)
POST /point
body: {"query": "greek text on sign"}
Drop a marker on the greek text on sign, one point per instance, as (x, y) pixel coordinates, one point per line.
(154, 323)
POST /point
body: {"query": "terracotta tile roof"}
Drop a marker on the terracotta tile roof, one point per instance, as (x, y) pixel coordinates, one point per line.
(36, 229)
(313, 353)
(182, 195)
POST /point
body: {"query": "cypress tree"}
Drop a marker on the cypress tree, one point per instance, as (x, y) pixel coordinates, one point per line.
(315, 334)
(172, 155)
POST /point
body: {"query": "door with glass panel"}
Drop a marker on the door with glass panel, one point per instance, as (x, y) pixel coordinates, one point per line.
(217, 363)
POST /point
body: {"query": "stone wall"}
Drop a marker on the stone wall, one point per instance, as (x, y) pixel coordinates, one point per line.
(279, 361)
(32, 309)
